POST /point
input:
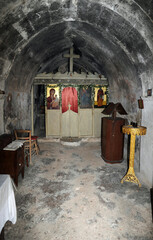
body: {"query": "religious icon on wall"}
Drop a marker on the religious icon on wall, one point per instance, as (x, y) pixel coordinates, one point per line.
(52, 97)
(149, 92)
(85, 97)
(100, 99)
(140, 103)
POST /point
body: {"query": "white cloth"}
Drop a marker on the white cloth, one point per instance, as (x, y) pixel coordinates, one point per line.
(7, 201)
(14, 145)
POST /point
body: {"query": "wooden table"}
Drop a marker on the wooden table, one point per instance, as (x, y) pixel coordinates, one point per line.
(133, 131)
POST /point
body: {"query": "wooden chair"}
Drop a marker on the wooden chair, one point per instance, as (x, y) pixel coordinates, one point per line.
(30, 142)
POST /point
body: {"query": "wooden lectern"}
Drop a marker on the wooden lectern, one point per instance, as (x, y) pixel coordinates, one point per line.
(112, 138)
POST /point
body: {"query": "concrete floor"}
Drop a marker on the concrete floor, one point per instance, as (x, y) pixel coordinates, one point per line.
(70, 193)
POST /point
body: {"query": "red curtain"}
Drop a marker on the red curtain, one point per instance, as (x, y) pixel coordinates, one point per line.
(69, 96)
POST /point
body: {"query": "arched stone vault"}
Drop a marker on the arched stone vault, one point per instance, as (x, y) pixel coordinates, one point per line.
(115, 38)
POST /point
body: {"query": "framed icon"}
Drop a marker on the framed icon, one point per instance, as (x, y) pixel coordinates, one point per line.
(52, 97)
(149, 92)
(100, 98)
(85, 97)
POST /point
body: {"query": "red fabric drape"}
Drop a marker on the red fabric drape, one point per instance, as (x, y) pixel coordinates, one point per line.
(69, 96)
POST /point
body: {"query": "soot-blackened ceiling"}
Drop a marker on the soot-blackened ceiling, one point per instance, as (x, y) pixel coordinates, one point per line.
(113, 38)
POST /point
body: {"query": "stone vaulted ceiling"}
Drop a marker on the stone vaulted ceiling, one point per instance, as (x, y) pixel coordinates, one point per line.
(114, 38)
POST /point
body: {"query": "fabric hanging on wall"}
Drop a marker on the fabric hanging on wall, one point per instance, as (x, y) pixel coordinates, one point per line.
(69, 96)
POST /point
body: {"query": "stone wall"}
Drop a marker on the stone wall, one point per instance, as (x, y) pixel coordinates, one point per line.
(17, 111)
(146, 153)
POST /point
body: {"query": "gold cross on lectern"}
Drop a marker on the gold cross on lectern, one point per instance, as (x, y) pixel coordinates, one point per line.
(71, 56)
